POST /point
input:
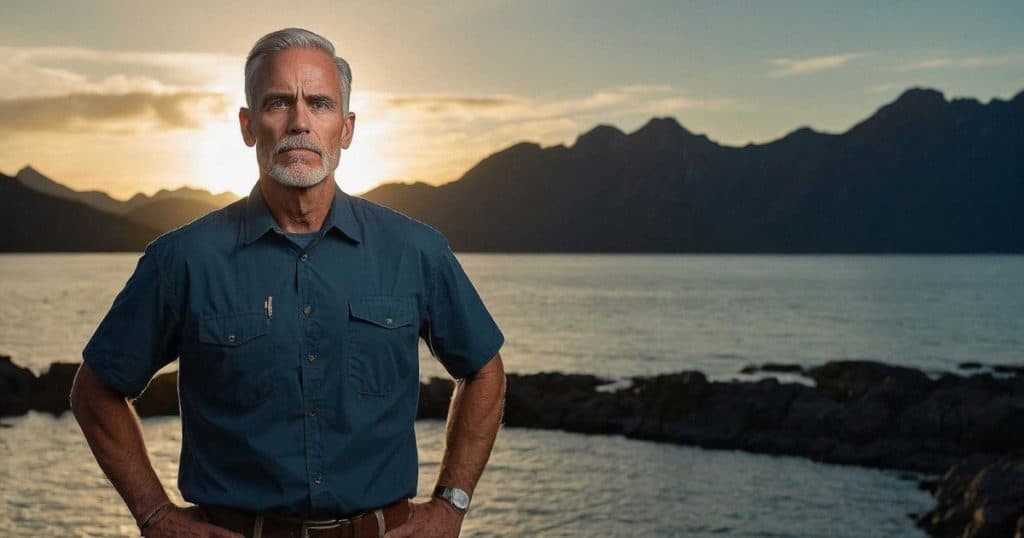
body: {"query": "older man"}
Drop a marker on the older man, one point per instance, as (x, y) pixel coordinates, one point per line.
(296, 314)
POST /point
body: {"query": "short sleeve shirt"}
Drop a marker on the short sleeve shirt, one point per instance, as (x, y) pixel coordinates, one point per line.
(298, 367)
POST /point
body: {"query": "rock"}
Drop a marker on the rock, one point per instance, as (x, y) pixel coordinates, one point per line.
(160, 396)
(977, 498)
(435, 395)
(850, 380)
(811, 414)
(863, 421)
(52, 390)
(16, 385)
(1017, 370)
(775, 367)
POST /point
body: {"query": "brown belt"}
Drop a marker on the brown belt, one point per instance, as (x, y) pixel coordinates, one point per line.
(371, 524)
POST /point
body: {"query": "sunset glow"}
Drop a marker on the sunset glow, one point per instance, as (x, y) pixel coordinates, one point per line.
(96, 103)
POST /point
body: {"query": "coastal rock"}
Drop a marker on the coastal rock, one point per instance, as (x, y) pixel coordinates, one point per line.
(53, 387)
(980, 497)
(851, 380)
(160, 397)
(773, 367)
(16, 385)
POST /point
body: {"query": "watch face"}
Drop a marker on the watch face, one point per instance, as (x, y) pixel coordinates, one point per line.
(460, 499)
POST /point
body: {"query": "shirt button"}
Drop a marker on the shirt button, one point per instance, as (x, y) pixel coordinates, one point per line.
(388, 321)
(307, 310)
(311, 357)
(318, 479)
(304, 257)
(232, 338)
(314, 411)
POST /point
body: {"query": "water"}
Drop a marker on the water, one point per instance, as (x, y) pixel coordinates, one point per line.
(615, 316)
(538, 483)
(619, 316)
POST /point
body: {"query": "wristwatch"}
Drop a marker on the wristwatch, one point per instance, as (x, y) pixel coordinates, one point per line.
(455, 496)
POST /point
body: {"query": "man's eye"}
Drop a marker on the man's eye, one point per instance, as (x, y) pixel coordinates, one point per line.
(274, 103)
(321, 104)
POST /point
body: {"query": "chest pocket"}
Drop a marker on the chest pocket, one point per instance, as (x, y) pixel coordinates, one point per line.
(232, 330)
(383, 332)
(236, 351)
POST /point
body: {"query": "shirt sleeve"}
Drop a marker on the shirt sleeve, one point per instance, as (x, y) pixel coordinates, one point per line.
(461, 332)
(140, 333)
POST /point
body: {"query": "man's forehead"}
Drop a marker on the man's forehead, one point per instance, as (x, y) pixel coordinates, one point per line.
(312, 69)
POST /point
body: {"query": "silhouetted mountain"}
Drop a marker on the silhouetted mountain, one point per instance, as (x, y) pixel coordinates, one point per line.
(922, 174)
(169, 213)
(35, 180)
(37, 222)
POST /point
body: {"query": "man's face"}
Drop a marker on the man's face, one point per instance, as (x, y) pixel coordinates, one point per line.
(296, 121)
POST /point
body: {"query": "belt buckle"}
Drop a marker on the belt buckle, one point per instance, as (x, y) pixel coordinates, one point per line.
(322, 524)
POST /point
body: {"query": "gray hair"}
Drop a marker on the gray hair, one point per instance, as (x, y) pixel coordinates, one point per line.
(294, 38)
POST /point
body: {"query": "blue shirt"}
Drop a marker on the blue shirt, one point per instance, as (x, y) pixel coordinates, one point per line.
(298, 367)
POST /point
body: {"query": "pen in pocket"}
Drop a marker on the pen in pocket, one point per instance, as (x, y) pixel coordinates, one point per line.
(268, 306)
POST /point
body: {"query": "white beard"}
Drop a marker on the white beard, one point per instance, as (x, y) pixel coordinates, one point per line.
(296, 173)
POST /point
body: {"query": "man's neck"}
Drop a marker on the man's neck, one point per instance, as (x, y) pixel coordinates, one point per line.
(298, 209)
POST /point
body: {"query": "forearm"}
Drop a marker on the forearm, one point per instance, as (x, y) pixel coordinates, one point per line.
(474, 418)
(114, 434)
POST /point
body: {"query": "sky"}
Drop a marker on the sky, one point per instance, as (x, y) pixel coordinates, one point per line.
(127, 96)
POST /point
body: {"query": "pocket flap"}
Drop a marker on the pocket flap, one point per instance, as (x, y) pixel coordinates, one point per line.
(387, 312)
(232, 329)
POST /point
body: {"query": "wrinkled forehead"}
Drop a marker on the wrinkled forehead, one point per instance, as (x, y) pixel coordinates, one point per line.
(295, 69)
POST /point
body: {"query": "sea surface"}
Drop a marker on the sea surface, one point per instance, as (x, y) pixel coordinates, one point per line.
(612, 315)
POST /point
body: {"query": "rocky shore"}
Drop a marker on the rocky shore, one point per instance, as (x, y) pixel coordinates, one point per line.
(969, 429)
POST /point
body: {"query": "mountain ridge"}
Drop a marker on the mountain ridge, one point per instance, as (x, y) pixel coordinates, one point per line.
(901, 180)
(922, 174)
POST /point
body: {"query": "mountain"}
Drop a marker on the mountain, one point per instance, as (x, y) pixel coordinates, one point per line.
(37, 222)
(169, 213)
(921, 174)
(35, 180)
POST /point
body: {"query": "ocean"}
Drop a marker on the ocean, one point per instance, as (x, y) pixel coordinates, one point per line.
(611, 315)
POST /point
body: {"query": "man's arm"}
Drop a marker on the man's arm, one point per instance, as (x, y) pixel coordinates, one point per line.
(474, 417)
(114, 434)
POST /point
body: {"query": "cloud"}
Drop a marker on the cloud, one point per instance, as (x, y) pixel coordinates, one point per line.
(122, 113)
(438, 137)
(648, 99)
(52, 71)
(441, 103)
(790, 67)
(948, 62)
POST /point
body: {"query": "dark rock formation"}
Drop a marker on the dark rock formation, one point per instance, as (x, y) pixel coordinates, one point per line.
(979, 497)
(15, 388)
(160, 397)
(52, 389)
(773, 367)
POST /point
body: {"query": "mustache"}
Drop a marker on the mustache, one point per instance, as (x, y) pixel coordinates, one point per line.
(298, 143)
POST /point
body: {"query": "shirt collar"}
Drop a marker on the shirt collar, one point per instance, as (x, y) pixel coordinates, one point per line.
(258, 219)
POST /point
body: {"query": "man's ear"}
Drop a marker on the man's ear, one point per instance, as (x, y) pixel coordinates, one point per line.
(348, 127)
(246, 125)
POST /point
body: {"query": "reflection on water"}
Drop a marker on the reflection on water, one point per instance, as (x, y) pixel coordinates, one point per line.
(544, 483)
(621, 316)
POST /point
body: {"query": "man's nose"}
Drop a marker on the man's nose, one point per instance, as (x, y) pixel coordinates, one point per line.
(298, 122)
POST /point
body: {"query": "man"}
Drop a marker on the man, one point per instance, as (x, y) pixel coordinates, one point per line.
(295, 313)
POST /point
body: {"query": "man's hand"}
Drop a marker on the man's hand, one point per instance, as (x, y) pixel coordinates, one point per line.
(432, 519)
(175, 521)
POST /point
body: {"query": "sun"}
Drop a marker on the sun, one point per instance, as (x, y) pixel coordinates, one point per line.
(220, 161)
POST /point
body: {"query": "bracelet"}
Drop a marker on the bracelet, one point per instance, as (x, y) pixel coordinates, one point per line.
(145, 521)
